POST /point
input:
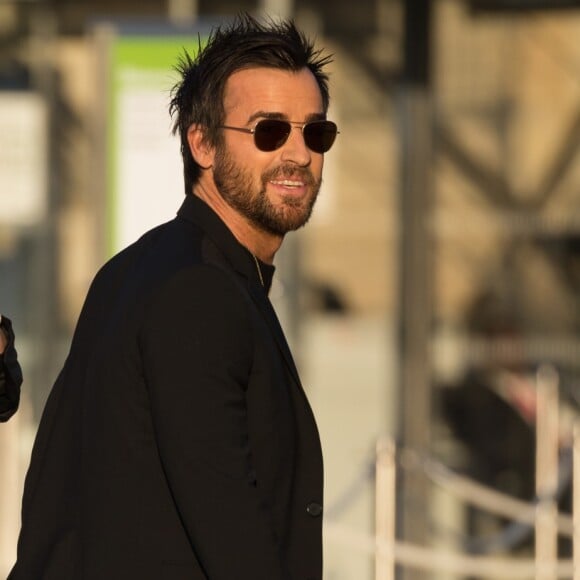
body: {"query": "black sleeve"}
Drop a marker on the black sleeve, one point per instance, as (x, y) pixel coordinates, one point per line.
(10, 375)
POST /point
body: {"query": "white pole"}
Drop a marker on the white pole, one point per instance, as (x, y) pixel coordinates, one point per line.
(546, 473)
(10, 496)
(385, 509)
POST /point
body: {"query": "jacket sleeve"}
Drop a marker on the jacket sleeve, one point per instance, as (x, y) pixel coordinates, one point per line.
(10, 374)
(197, 349)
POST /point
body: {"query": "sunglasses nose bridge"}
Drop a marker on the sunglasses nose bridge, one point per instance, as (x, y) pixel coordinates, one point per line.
(302, 138)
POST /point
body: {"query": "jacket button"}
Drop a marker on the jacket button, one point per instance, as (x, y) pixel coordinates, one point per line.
(314, 509)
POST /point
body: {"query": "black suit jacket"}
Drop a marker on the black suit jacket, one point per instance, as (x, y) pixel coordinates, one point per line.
(177, 442)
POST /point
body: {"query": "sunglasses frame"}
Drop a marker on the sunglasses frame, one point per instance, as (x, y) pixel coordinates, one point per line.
(291, 125)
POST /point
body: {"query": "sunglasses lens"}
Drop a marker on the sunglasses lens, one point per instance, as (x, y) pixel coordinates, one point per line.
(320, 135)
(271, 134)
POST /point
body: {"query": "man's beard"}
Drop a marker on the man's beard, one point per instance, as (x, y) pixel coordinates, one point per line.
(238, 188)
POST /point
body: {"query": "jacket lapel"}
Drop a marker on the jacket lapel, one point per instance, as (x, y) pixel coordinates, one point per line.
(267, 310)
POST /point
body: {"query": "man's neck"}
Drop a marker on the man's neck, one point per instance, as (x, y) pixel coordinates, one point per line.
(261, 244)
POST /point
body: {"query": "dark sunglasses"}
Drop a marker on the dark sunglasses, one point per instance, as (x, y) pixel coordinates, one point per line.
(271, 134)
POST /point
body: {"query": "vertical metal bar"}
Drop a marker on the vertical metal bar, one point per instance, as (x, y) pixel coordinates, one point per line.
(415, 266)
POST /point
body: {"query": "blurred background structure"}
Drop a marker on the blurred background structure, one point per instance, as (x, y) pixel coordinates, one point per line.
(440, 272)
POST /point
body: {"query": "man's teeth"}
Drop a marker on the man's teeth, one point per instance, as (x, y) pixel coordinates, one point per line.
(288, 183)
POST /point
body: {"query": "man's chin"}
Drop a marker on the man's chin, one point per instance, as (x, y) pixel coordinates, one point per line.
(280, 225)
(294, 222)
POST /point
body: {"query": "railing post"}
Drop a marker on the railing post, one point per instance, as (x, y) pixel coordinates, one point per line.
(547, 436)
(385, 509)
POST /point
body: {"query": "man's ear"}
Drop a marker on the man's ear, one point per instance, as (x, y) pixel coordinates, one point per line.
(200, 149)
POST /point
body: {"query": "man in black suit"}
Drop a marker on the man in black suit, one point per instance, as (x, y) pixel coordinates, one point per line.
(10, 372)
(177, 442)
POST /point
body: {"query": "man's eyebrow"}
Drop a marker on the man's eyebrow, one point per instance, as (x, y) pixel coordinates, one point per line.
(265, 115)
(282, 116)
(316, 117)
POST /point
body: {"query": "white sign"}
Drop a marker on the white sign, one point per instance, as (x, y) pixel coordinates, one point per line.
(23, 158)
(150, 171)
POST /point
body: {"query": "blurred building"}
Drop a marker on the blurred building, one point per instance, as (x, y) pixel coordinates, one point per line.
(499, 220)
